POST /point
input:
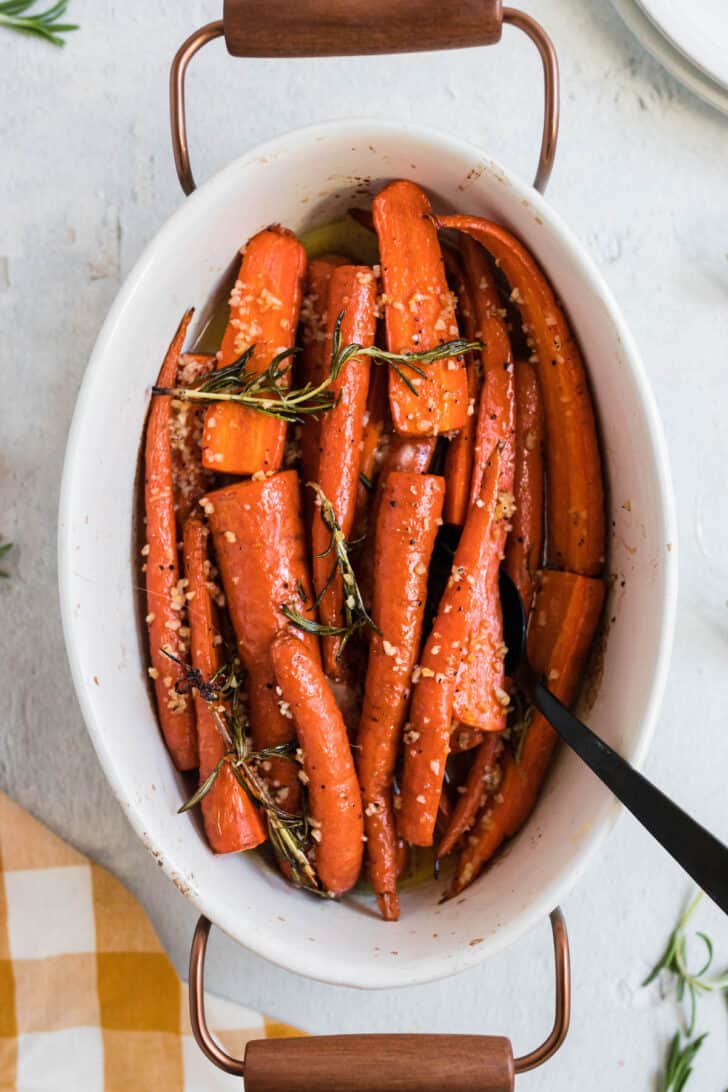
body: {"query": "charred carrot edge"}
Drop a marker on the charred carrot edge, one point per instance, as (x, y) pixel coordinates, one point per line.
(260, 547)
(191, 480)
(482, 780)
(264, 309)
(405, 537)
(312, 361)
(419, 312)
(352, 293)
(524, 549)
(461, 449)
(427, 739)
(232, 821)
(165, 597)
(328, 767)
(576, 529)
(564, 620)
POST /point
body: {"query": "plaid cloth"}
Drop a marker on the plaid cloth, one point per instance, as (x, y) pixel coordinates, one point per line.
(89, 1002)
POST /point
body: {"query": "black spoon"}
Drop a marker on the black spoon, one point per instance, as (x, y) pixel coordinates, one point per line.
(701, 854)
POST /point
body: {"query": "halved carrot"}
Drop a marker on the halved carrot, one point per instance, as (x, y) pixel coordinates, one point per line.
(576, 535)
(191, 480)
(232, 821)
(261, 552)
(524, 549)
(165, 592)
(482, 780)
(352, 293)
(311, 367)
(419, 312)
(328, 767)
(264, 309)
(564, 620)
(427, 741)
(405, 537)
(461, 449)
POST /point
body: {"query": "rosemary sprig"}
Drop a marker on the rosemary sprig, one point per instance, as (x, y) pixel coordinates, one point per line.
(264, 391)
(356, 615)
(689, 984)
(290, 835)
(679, 1063)
(44, 24)
(5, 548)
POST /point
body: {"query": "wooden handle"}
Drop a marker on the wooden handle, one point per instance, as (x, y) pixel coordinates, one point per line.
(339, 28)
(359, 1063)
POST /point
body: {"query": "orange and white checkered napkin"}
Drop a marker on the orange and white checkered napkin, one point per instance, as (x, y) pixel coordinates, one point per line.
(89, 1002)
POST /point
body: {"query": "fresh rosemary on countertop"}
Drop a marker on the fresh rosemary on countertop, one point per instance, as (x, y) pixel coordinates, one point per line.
(356, 615)
(679, 1063)
(45, 24)
(290, 835)
(5, 548)
(264, 391)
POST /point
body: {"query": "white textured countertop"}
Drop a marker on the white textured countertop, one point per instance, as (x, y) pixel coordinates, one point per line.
(642, 177)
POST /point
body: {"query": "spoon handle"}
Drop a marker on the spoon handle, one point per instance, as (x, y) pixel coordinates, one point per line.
(700, 853)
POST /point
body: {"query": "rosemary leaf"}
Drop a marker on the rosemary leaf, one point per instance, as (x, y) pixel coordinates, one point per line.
(679, 1063)
(203, 790)
(45, 24)
(5, 548)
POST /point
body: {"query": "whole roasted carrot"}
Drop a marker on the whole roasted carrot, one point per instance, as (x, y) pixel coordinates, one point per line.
(575, 487)
(419, 312)
(482, 781)
(565, 616)
(352, 295)
(191, 480)
(165, 590)
(460, 452)
(427, 741)
(264, 309)
(328, 767)
(312, 362)
(261, 552)
(524, 548)
(405, 536)
(232, 821)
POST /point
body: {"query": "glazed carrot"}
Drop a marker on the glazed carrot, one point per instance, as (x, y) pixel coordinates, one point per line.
(483, 778)
(576, 531)
(405, 537)
(352, 293)
(375, 422)
(191, 480)
(563, 623)
(232, 821)
(464, 738)
(524, 548)
(264, 308)
(431, 714)
(165, 592)
(419, 312)
(460, 451)
(259, 543)
(312, 362)
(328, 767)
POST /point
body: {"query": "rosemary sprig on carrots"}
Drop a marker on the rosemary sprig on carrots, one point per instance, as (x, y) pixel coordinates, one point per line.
(356, 615)
(264, 391)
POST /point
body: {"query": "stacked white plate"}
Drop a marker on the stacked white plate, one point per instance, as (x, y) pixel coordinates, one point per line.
(689, 39)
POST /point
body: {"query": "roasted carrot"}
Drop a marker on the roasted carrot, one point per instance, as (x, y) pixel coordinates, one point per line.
(312, 362)
(464, 738)
(419, 312)
(405, 537)
(460, 451)
(575, 488)
(524, 548)
(165, 591)
(232, 821)
(259, 543)
(482, 780)
(563, 623)
(375, 422)
(352, 294)
(191, 480)
(264, 309)
(427, 741)
(328, 767)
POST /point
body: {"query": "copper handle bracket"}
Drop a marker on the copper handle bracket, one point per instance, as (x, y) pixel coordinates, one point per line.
(236, 1066)
(511, 16)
